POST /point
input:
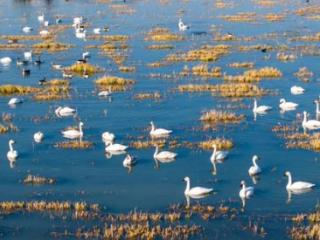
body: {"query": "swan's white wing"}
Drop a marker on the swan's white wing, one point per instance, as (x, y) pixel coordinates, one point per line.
(301, 185)
(200, 191)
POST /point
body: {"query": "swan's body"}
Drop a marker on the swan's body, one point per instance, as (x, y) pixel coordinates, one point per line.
(97, 31)
(245, 192)
(310, 124)
(14, 101)
(115, 147)
(108, 137)
(218, 155)
(5, 61)
(73, 133)
(12, 154)
(128, 161)
(27, 55)
(85, 55)
(105, 93)
(27, 29)
(158, 132)
(182, 26)
(297, 186)
(263, 109)
(64, 111)
(164, 155)
(195, 191)
(44, 33)
(38, 137)
(77, 21)
(81, 34)
(41, 18)
(255, 169)
(296, 90)
(287, 106)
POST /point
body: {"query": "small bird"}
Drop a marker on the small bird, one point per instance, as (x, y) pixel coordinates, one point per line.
(296, 90)
(27, 29)
(38, 61)
(42, 81)
(26, 72)
(105, 93)
(38, 137)
(27, 55)
(129, 161)
(44, 33)
(41, 18)
(97, 31)
(182, 26)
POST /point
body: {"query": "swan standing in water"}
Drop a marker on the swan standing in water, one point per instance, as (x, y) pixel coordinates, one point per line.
(38, 137)
(218, 155)
(255, 169)
(164, 155)
(245, 192)
(64, 111)
(27, 29)
(297, 186)
(12, 154)
(182, 26)
(296, 90)
(260, 109)
(287, 106)
(195, 191)
(159, 132)
(73, 133)
(309, 124)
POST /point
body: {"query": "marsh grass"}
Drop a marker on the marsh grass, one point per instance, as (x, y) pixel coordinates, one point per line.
(241, 65)
(12, 46)
(74, 144)
(55, 89)
(127, 69)
(161, 47)
(51, 46)
(304, 74)
(202, 70)
(162, 35)
(221, 143)
(8, 89)
(83, 68)
(116, 83)
(240, 17)
(221, 117)
(254, 75)
(144, 96)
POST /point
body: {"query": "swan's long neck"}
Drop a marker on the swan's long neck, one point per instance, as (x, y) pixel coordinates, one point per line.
(156, 152)
(317, 107)
(10, 147)
(214, 153)
(254, 162)
(289, 180)
(255, 104)
(244, 187)
(187, 186)
(304, 117)
(80, 128)
(152, 127)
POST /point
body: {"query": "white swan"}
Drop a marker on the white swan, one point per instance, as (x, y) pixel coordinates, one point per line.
(12, 154)
(245, 192)
(158, 132)
(38, 137)
(115, 147)
(195, 191)
(296, 90)
(73, 133)
(27, 29)
(44, 33)
(105, 93)
(255, 169)
(97, 31)
(129, 161)
(182, 26)
(217, 155)
(81, 34)
(164, 155)
(108, 137)
(14, 101)
(77, 21)
(260, 109)
(41, 18)
(64, 111)
(27, 56)
(287, 106)
(85, 55)
(5, 61)
(297, 186)
(310, 124)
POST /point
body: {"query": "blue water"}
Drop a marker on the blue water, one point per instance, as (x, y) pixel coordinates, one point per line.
(87, 175)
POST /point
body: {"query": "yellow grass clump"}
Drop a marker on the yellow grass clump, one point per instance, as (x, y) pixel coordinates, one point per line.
(12, 46)
(127, 68)
(203, 71)
(304, 74)
(286, 57)
(274, 17)
(55, 89)
(83, 68)
(221, 117)
(143, 96)
(221, 143)
(31, 179)
(240, 17)
(51, 46)
(255, 75)
(9, 89)
(116, 83)
(241, 65)
(162, 35)
(160, 47)
(74, 144)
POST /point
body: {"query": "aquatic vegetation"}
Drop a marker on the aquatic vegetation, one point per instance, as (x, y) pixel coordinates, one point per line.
(286, 57)
(55, 89)
(116, 83)
(221, 143)
(36, 180)
(162, 35)
(304, 74)
(74, 144)
(127, 69)
(241, 65)
(203, 71)
(83, 68)
(5, 128)
(51, 46)
(160, 47)
(12, 46)
(306, 230)
(16, 38)
(143, 96)
(122, 9)
(197, 88)
(308, 10)
(221, 117)
(148, 144)
(254, 75)
(258, 47)
(9, 89)
(240, 17)
(274, 17)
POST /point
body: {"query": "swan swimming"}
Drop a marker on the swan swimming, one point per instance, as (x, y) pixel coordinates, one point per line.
(105, 93)
(27, 29)
(108, 137)
(296, 186)
(159, 132)
(38, 137)
(5, 61)
(12, 154)
(41, 18)
(164, 155)
(96, 31)
(195, 191)
(129, 161)
(310, 124)
(73, 133)
(255, 169)
(182, 26)
(115, 147)
(287, 106)
(64, 111)
(14, 101)
(245, 192)
(260, 109)
(44, 33)
(218, 155)
(317, 107)
(296, 90)
(27, 56)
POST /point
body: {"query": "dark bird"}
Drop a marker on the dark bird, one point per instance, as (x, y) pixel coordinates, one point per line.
(26, 72)
(38, 61)
(42, 81)
(264, 50)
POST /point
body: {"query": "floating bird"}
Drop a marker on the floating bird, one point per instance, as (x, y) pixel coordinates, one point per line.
(262, 109)
(105, 93)
(25, 72)
(129, 161)
(64, 111)
(108, 137)
(164, 155)
(245, 192)
(218, 155)
(195, 191)
(77, 21)
(27, 29)
(310, 124)
(38, 137)
(255, 169)
(296, 186)
(41, 18)
(182, 26)
(73, 133)
(317, 107)
(5, 61)
(56, 66)
(115, 147)
(58, 20)
(287, 106)
(85, 55)
(27, 56)
(14, 101)
(44, 33)
(12, 154)
(38, 61)
(159, 132)
(97, 31)
(296, 90)
(20, 62)
(42, 81)
(46, 23)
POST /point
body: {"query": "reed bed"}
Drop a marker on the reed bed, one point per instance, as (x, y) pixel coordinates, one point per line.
(116, 83)
(144, 96)
(74, 144)
(51, 46)
(162, 35)
(221, 117)
(221, 143)
(9, 89)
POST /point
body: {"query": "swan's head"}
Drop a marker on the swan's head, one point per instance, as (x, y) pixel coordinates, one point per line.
(214, 146)
(287, 173)
(186, 179)
(242, 183)
(11, 141)
(282, 100)
(151, 123)
(255, 158)
(316, 101)
(81, 124)
(304, 113)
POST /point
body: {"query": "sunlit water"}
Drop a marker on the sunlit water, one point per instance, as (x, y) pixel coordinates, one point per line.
(87, 175)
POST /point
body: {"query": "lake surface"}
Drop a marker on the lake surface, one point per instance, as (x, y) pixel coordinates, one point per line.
(88, 175)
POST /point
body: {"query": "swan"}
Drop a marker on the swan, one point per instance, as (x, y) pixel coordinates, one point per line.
(217, 155)
(105, 93)
(27, 29)
(255, 169)
(14, 101)
(129, 161)
(77, 21)
(296, 90)
(38, 136)
(44, 33)
(85, 55)
(309, 124)
(245, 192)
(41, 18)
(27, 55)
(260, 109)
(12, 154)
(158, 132)
(115, 147)
(164, 155)
(64, 111)
(5, 61)
(73, 133)
(182, 26)
(46, 23)
(297, 186)
(97, 31)
(287, 106)
(108, 137)
(195, 191)
(81, 34)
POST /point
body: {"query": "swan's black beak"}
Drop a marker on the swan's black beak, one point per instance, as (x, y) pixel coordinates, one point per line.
(182, 180)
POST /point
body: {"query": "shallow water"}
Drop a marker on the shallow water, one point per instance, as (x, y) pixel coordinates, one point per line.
(87, 175)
